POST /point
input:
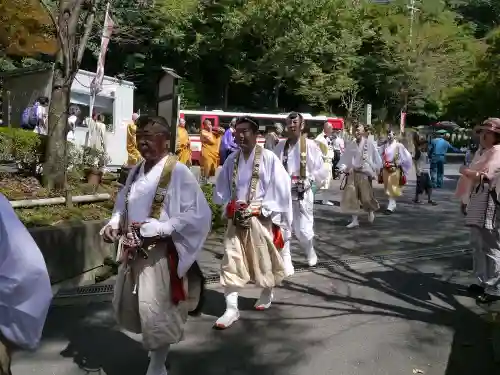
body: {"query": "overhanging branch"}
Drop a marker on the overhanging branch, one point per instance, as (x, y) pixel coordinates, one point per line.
(54, 23)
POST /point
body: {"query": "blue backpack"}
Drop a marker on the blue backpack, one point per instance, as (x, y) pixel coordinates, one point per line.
(29, 118)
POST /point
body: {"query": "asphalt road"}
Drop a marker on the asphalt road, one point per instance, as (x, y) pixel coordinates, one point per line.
(388, 299)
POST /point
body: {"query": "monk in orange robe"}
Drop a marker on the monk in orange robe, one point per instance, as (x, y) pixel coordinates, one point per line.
(210, 144)
(183, 149)
(134, 156)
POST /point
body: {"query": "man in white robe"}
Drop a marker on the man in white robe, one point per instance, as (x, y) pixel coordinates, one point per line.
(303, 161)
(326, 141)
(162, 219)
(255, 190)
(361, 164)
(25, 291)
(397, 163)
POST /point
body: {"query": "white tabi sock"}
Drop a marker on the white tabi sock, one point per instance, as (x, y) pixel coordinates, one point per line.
(232, 313)
(265, 299)
(287, 259)
(157, 359)
(371, 216)
(392, 204)
(354, 223)
(312, 258)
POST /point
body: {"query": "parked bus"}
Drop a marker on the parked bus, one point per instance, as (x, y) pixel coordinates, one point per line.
(194, 119)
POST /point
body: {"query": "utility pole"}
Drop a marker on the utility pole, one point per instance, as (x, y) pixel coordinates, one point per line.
(413, 9)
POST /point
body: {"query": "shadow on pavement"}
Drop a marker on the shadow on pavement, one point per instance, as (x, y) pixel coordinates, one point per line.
(415, 294)
(95, 342)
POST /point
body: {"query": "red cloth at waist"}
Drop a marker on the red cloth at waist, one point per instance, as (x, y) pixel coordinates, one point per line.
(176, 283)
(278, 239)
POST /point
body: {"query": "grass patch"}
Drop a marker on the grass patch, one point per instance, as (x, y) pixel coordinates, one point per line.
(56, 215)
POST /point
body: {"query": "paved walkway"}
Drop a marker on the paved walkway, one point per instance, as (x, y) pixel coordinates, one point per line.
(368, 318)
(411, 227)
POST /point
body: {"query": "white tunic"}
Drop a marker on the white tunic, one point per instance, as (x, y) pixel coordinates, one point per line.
(315, 168)
(273, 188)
(389, 152)
(185, 209)
(25, 291)
(352, 158)
(323, 139)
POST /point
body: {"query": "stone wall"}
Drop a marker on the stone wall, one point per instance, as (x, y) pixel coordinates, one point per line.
(70, 249)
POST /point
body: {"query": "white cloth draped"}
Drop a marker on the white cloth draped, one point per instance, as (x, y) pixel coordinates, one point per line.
(273, 189)
(25, 291)
(352, 158)
(185, 214)
(323, 139)
(316, 171)
(404, 157)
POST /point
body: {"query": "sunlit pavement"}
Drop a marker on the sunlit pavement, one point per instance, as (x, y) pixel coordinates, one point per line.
(388, 299)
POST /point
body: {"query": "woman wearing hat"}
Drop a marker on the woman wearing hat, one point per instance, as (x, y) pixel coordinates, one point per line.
(478, 190)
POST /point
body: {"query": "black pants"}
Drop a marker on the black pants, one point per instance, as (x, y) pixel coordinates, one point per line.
(424, 184)
(5, 356)
(335, 161)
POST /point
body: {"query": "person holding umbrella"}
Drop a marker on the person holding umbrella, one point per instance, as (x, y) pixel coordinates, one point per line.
(437, 156)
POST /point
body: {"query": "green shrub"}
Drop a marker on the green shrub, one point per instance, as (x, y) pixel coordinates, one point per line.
(217, 219)
(19, 146)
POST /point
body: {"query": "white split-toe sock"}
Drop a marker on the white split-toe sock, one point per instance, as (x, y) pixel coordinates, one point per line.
(157, 359)
(265, 299)
(232, 313)
(354, 223)
(392, 205)
(287, 260)
(371, 216)
(312, 258)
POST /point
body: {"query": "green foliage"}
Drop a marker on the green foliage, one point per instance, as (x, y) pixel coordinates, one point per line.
(19, 146)
(217, 218)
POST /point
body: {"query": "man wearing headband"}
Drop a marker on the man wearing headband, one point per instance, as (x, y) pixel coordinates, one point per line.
(161, 220)
(303, 160)
(254, 188)
(397, 163)
(361, 163)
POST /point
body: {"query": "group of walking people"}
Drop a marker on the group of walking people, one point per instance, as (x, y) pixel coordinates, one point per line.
(161, 220)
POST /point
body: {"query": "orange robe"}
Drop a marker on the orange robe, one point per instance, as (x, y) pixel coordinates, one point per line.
(183, 146)
(134, 156)
(209, 160)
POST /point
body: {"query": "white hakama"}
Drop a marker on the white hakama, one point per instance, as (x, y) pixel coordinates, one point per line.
(303, 218)
(186, 215)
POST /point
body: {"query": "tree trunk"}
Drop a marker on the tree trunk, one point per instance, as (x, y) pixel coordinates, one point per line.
(276, 95)
(54, 171)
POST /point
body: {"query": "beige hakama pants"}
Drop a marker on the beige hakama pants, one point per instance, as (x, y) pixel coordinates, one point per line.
(250, 255)
(150, 310)
(5, 356)
(358, 194)
(391, 182)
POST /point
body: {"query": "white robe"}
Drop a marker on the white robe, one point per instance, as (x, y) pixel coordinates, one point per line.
(328, 159)
(315, 171)
(405, 160)
(185, 208)
(352, 158)
(273, 189)
(25, 291)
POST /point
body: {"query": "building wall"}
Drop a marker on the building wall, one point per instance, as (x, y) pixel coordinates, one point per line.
(24, 90)
(115, 102)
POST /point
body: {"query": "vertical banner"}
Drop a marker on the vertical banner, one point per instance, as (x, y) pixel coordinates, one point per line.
(402, 123)
(96, 84)
(368, 114)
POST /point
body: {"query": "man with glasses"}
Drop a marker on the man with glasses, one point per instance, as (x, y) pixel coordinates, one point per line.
(161, 219)
(254, 188)
(303, 160)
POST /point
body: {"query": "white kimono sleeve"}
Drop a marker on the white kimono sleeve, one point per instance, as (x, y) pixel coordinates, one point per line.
(405, 159)
(25, 290)
(187, 215)
(278, 197)
(223, 184)
(319, 169)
